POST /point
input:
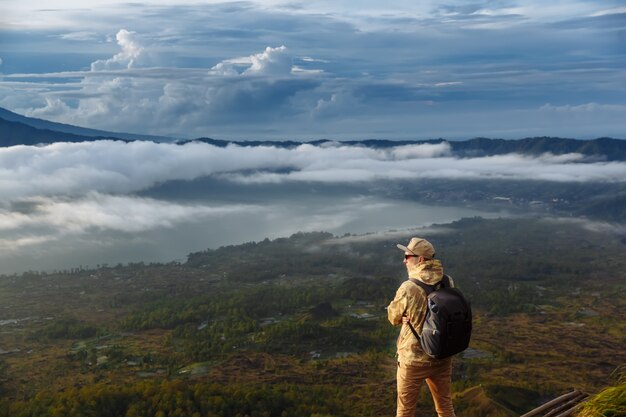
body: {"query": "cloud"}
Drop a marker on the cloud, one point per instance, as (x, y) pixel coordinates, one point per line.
(118, 196)
(584, 108)
(353, 165)
(448, 83)
(127, 58)
(54, 107)
(224, 69)
(97, 223)
(369, 15)
(590, 225)
(344, 75)
(272, 61)
(53, 218)
(427, 150)
(335, 106)
(171, 100)
(389, 235)
(605, 12)
(79, 36)
(60, 232)
(75, 169)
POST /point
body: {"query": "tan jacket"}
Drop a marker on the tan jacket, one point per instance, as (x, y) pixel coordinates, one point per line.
(410, 300)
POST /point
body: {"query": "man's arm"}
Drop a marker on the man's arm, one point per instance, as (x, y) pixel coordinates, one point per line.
(397, 308)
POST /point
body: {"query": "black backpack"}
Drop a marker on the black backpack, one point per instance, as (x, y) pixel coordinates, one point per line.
(448, 324)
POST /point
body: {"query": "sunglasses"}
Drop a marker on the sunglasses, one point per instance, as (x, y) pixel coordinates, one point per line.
(406, 257)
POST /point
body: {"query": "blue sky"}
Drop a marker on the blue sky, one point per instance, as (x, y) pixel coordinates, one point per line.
(319, 69)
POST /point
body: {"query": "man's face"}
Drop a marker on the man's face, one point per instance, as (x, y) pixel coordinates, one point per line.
(410, 260)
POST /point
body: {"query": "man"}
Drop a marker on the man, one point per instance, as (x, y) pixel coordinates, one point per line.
(410, 305)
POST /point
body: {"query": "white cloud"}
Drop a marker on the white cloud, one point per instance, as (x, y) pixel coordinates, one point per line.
(365, 14)
(58, 232)
(303, 71)
(389, 235)
(14, 244)
(346, 165)
(335, 106)
(604, 12)
(310, 59)
(166, 101)
(427, 150)
(224, 69)
(485, 81)
(79, 36)
(127, 58)
(590, 225)
(272, 61)
(499, 12)
(86, 194)
(127, 214)
(53, 218)
(584, 108)
(54, 108)
(74, 169)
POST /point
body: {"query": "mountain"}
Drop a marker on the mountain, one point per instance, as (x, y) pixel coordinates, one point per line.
(16, 129)
(16, 133)
(46, 125)
(608, 149)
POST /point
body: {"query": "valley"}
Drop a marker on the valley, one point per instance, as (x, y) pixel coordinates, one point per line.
(299, 325)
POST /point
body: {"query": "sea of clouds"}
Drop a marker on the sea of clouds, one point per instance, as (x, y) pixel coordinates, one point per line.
(74, 169)
(58, 197)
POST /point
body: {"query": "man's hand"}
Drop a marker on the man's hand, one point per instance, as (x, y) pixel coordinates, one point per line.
(405, 320)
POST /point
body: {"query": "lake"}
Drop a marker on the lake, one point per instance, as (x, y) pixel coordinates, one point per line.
(229, 223)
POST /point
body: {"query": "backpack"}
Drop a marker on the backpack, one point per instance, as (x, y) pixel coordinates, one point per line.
(448, 324)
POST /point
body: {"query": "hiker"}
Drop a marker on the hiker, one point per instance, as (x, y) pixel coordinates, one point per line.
(410, 306)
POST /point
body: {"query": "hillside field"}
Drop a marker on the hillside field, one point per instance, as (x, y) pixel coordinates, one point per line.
(297, 326)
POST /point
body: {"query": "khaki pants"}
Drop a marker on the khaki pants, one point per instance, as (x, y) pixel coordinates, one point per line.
(439, 380)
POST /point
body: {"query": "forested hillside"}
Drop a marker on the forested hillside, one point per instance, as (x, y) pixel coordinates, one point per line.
(297, 326)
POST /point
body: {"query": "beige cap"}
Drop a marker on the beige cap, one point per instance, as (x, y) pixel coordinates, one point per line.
(420, 247)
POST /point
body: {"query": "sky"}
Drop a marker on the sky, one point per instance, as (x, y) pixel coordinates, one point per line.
(287, 70)
(315, 69)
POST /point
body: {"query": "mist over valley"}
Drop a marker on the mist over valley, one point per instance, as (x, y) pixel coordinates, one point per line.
(109, 202)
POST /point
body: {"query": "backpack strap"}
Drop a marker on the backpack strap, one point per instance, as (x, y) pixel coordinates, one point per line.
(414, 332)
(427, 288)
(444, 283)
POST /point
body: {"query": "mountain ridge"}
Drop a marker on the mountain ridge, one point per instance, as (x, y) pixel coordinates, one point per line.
(609, 149)
(16, 133)
(21, 130)
(43, 124)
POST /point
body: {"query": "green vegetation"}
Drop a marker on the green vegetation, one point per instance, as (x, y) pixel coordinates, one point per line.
(297, 326)
(67, 328)
(610, 402)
